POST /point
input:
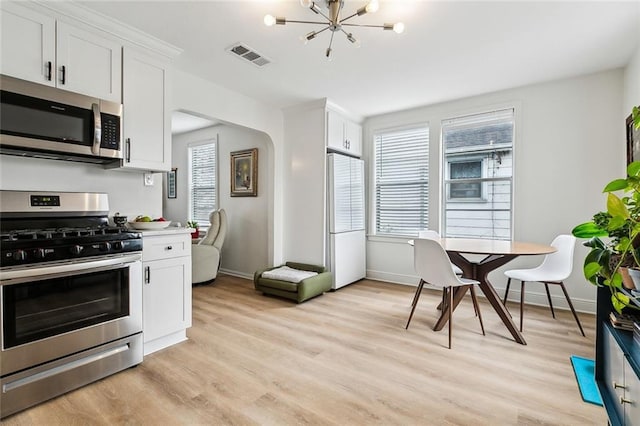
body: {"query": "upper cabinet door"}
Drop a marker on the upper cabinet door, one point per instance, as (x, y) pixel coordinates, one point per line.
(343, 135)
(28, 42)
(88, 63)
(147, 128)
(353, 136)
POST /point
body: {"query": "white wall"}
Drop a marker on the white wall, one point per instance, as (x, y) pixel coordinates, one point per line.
(194, 95)
(632, 83)
(246, 244)
(126, 190)
(569, 144)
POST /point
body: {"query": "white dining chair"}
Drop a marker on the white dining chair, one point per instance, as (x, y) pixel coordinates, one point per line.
(434, 235)
(554, 269)
(433, 266)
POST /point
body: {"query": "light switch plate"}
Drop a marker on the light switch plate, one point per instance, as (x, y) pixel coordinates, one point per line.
(148, 179)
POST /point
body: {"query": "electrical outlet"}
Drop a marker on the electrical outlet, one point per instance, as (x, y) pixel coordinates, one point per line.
(148, 179)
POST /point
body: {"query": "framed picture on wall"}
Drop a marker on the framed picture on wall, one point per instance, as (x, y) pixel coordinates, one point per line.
(633, 141)
(171, 183)
(244, 173)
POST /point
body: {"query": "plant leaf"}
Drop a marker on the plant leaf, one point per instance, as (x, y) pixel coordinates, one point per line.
(619, 301)
(615, 207)
(617, 185)
(591, 269)
(633, 169)
(589, 230)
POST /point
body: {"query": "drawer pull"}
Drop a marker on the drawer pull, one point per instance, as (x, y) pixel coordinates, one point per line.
(625, 401)
(618, 386)
(169, 248)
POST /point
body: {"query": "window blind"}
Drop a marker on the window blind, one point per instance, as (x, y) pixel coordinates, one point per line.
(402, 181)
(202, 191)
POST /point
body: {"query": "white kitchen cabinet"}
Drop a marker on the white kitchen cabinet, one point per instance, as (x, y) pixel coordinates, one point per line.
(343, 134)
(146, 123)
(28, 44)
(37, 47)
(166, 266)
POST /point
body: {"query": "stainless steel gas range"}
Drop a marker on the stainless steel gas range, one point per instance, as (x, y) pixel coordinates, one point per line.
(70, 295)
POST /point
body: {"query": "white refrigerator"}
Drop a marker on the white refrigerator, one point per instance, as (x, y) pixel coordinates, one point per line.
(346, 243)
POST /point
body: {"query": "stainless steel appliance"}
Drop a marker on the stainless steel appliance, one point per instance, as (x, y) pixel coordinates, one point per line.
(46, 122)
(70, 295)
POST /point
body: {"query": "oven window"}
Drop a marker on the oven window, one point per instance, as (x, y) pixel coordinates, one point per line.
(40, 309)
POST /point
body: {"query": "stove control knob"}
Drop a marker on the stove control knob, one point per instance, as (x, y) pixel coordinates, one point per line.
(76, 249)
(39, 253)
(117, 245)
(20, 255)
(105, 246)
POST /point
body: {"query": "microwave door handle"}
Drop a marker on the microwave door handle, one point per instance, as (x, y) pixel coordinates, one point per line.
(97, 129)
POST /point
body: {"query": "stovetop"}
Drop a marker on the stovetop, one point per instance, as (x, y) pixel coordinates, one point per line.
(29, 246)
(45, 226)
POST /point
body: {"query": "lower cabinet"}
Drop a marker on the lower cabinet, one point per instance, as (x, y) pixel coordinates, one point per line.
(617, 371)
(166, 266)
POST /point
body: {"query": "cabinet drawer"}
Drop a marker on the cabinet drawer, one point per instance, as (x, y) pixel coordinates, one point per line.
(165, 247)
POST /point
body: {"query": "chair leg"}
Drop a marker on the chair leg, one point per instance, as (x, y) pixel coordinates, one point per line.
(506, 292)
(521, 303)
(546, 287)
(575, 315)
(477, 307)
(450, 314)
(416, 297)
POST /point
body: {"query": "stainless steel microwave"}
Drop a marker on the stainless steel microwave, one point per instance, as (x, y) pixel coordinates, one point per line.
(46, 122)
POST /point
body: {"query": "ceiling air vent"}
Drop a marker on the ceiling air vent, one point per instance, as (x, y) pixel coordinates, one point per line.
(245, 52)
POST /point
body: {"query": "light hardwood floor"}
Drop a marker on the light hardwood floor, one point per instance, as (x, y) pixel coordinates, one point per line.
(343, 358)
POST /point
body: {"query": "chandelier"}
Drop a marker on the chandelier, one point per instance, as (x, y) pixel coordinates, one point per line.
(333, 21)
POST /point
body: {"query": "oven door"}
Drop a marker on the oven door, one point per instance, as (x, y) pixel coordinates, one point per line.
(59, 309)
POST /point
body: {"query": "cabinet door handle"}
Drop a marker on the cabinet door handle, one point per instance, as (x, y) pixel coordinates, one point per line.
(127, 149)
(625, 401)
(169, 248)
(616, 385)
(147, 275)
(49, 70)
(63, 77)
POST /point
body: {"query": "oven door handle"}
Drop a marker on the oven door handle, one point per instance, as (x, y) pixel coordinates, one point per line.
(16, 276)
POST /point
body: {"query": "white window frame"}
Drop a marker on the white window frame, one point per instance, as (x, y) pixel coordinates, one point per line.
(515, 107)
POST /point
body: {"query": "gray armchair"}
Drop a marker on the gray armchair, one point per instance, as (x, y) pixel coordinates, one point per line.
(205, 256)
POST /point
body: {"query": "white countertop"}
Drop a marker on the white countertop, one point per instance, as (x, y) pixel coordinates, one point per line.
(166, 231)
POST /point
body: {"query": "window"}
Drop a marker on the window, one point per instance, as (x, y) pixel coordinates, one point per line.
(478, 162)
(402, 181)
(465, 169)
(202, 181)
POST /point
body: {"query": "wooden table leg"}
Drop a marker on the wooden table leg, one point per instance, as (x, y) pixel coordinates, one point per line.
(480, 271)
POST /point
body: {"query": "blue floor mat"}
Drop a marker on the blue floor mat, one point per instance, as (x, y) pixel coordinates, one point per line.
(584, 369)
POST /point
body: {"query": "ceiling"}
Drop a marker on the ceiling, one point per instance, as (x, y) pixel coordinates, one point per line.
(450, 49)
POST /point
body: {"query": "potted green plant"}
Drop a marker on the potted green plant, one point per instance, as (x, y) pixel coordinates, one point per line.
(606, 262)
(194, 225)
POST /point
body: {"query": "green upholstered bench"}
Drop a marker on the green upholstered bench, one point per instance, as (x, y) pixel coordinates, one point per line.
(300, 291)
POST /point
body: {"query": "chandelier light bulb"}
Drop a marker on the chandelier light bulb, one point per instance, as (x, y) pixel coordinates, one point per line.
(306, 3)
(328, 54)
(372, 6)
(398, 28)
(269, 20)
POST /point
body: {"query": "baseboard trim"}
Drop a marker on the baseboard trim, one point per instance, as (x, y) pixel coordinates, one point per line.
(236, 274)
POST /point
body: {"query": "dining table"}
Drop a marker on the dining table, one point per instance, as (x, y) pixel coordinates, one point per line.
(496, 254)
